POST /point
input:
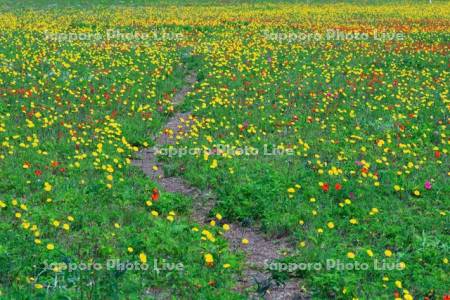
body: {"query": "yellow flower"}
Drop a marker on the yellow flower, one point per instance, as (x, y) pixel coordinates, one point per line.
(154, 213)
(213, 164)
(209, 260)
(398, 284)
(369, 252)
(388, 253)
(47, 187)
(351, 255)
(117, 225)
(50, 247)
(374, 211)
(70, 218)
(66, 226)
(226, 227)
(226, 266)
(38, 286)
(353, 221)
(143, 258)
(417, 193)
(330, 225)
(291, 190)
(302, 244)
(130, 250)
(245, 241)
(219, 217)
(408, 297)
(397, 188)
(2, 204)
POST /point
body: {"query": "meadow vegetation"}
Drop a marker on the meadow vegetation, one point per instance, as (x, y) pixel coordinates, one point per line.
(338, 142)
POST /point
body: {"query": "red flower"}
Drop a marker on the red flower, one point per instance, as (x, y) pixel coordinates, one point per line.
(338, 186)
(325, 187)
(155, 195)
(38, 172)
(437, 154)
(55, 163)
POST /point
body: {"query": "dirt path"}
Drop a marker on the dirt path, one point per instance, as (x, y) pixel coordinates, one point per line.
(259, 251)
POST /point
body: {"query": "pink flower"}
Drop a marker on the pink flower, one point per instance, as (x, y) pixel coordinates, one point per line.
(427, 185)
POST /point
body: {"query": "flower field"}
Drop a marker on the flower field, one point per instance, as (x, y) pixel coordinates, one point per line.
(323, 125)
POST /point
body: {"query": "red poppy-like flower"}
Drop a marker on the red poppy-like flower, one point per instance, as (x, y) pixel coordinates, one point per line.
(155, 194)
(55, 163)
(325, 187)
(38, 172)
(338, 186)
(437, 154)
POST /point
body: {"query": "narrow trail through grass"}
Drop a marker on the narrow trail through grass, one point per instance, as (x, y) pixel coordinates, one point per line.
(261, 249)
